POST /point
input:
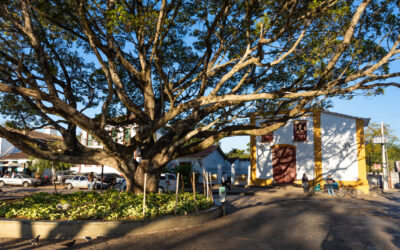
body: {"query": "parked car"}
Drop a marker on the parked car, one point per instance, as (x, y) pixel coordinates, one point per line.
(19, 179)
(64, 175)
(167, 182)
(45, 180)
(80, 181)
(108, 178)
(120, 184)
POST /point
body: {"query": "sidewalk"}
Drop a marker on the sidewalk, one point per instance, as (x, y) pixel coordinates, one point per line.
(270, 218)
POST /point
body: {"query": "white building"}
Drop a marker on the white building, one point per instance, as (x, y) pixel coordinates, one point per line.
(240, 170)
(121, 135)
(212, 160)
(13, 159)
(317, 144)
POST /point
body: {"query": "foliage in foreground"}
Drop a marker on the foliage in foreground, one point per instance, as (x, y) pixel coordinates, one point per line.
(110, 205)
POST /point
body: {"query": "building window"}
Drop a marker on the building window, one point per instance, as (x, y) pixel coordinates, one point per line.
(114, 134)
(90, 140)
(127, 135)
(300, 131)
(267, 137)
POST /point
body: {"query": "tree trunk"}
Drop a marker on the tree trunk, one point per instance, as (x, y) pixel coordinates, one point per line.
(136, 185)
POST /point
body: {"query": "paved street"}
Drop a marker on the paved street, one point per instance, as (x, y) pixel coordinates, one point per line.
(271, 219)
(10, 192)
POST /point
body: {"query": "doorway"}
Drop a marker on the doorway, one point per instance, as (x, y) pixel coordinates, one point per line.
(284, 163)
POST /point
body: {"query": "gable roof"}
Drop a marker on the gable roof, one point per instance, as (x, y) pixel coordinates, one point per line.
(37, 135)
(15, 156)
(365, 120)
(206, 152)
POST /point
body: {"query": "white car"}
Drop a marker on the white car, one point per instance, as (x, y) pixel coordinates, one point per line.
(80, 181)
(64, 175)
(19, 180)
(167, 183)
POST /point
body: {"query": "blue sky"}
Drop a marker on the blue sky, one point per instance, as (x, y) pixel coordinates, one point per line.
(384, 108)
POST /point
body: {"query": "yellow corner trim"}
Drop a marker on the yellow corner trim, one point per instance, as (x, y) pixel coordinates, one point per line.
(362, 165)
(283, 145)
(317, 147)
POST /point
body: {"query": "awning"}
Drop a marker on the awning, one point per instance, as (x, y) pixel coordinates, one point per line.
(13, 165)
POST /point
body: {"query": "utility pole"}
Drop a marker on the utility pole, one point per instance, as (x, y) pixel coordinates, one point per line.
(385, 176)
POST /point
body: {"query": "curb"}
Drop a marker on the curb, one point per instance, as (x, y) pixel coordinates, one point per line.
(15, 228)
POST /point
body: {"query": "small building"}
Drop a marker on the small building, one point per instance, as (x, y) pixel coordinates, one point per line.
(13, 159)
(319, 144)
(120, 134)
(240, 170)
(16, 162)
(212, 160)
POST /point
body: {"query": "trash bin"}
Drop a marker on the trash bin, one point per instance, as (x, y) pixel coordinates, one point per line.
(222, 194)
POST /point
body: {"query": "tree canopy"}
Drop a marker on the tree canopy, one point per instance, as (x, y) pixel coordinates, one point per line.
(238, 153)
(193, 70)
(374, 151)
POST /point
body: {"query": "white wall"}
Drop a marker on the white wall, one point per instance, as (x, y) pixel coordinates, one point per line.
(120, 135)
(94, 169)
(284, 135)
(339, 147)
(234, 165)
(214, 163)
(243, 167)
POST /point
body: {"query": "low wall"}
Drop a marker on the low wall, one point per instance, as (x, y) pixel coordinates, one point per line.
(15, 228)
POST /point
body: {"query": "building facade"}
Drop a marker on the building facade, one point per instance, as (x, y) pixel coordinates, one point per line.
(240, 170)
(317, 144)
(120, 134)
(14, 160)
(212, 160)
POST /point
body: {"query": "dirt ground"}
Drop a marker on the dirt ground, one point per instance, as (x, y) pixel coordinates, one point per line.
(270, 219)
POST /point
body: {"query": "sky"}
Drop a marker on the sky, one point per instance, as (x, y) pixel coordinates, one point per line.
(380, 108)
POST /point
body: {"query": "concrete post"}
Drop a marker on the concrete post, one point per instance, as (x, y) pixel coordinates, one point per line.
(384, 162)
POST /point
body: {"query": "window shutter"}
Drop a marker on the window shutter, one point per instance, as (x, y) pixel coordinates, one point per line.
(267, 137)
(300, 131)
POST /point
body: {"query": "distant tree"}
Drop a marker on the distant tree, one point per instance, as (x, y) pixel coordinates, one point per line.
(238, 153)
(374, 151)
(41, 164)
(248, 148)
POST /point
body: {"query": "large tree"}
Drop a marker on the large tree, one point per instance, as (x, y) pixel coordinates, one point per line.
(190, 69)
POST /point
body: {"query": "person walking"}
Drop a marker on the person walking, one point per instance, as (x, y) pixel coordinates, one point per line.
(91, 180)
(224, 180)
(304, 180)
(329, 185)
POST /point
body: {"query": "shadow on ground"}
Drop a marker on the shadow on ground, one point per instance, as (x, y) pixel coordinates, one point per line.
(256, 222)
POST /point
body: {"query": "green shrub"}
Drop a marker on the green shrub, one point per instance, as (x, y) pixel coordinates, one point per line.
(110, 205)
